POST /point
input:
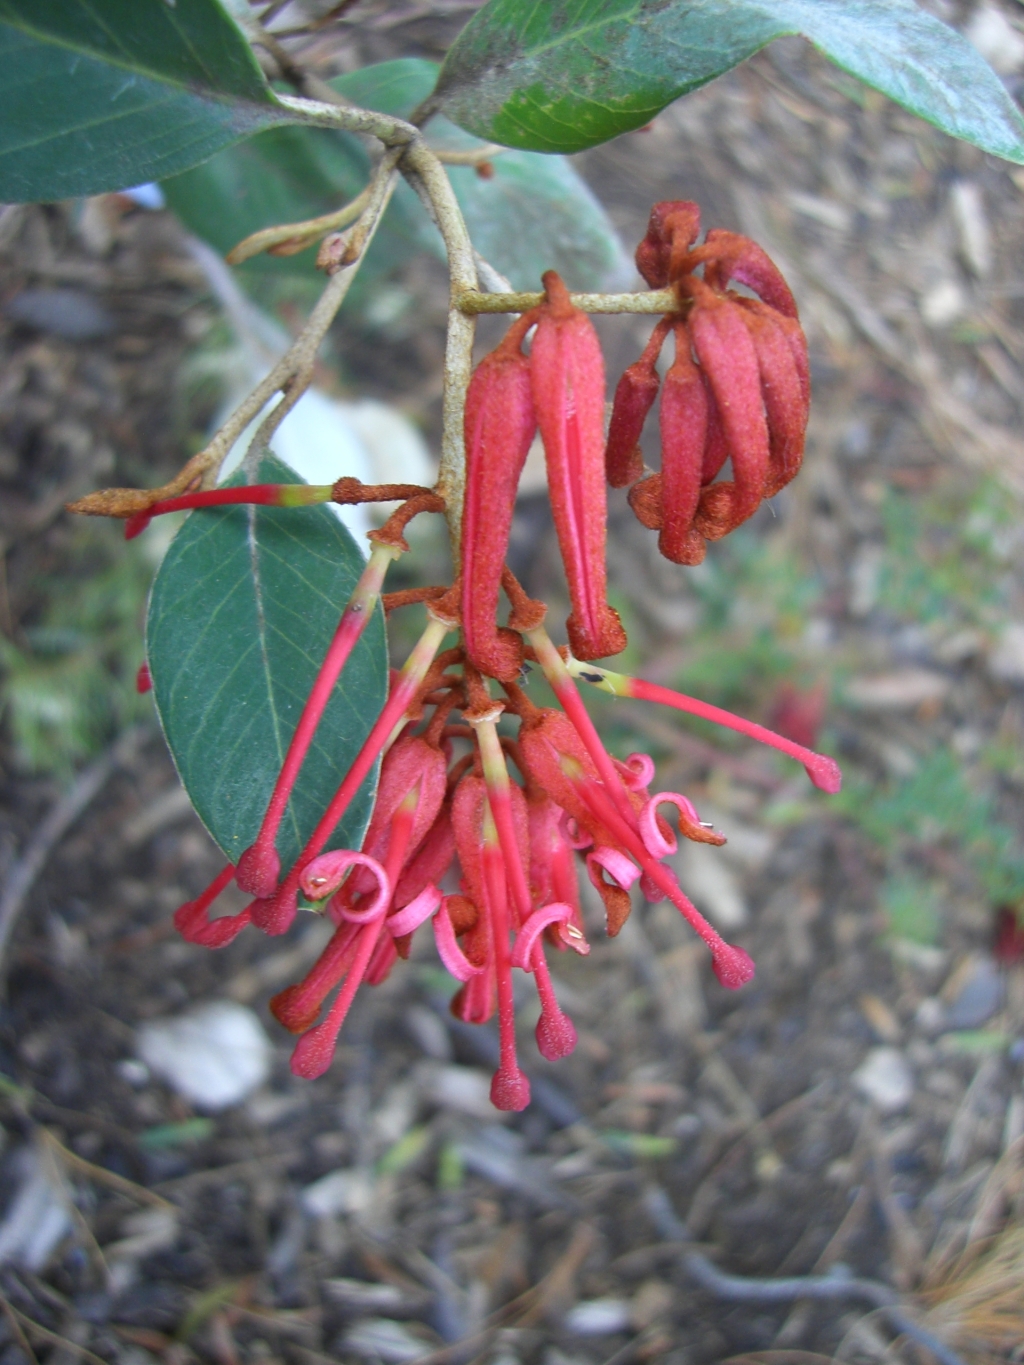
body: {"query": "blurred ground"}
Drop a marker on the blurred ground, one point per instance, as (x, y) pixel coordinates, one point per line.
(859, 1105)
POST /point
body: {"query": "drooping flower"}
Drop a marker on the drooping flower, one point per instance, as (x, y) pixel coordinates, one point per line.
(499, 425)
(567, 372)
(738, 390)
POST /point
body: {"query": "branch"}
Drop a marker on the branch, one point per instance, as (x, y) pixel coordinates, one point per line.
(649, 301)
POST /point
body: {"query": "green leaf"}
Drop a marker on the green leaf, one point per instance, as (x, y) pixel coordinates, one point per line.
(562, 75)
(100, 94)
(533, 214)
(644, 1146)
(241, 614)
(165, 1135)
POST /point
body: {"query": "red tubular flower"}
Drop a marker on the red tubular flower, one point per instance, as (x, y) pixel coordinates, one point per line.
(684, 431)
(634, 398)
(482, 862)
(259, 866)
(499, 424)
(194, 925)
(727, 356)
(821, 769)
(756, 386)
(781, 351)
(556, 1036)
(261, 494)
(274, 914)
(567, 371)
(412, 764)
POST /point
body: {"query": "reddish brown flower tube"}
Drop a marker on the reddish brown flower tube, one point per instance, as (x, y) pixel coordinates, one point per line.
(684, 430)
(568, 389)
(500, 423)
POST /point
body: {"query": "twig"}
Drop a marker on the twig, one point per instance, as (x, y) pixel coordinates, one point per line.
(102, 1176)
(429, 179)
(647, 301)
(750, 1289)
(294, 370)
(18, 1330)
(290, 238)
(58, 820)
(15, 1315)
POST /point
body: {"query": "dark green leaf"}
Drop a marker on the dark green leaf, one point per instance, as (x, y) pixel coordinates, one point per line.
(562, 75)
(533, 214)
(100, 94)
(241, 614)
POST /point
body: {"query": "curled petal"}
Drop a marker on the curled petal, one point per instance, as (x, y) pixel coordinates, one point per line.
(621, 870)
(325, 874)
(558, 912)
(411, 916)
(455, 961)
(637, 771)
(193, 924)
(614, 894)
(653, 831)
(738, 258)
(673, 222)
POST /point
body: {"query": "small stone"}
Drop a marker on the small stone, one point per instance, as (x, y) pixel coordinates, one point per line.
(1006, 661)
(69, 313)
(462, 1088)
(930, 1016)
(214, 1056)
(885, 1079)
(978, 994)
(344, 1191)
(383, 1339)
(903, 690)
(944, 302)
(598, 1318)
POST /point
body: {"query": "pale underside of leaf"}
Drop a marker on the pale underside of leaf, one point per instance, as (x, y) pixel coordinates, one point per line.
(563, 76)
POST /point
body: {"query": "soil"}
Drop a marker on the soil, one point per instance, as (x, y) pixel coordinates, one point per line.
(858, 1107)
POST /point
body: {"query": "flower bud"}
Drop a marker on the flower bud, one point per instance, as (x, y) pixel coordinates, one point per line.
(568, 389)
(684, 429)
(499, 426)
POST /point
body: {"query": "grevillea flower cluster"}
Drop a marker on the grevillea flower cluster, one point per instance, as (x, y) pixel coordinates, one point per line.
(489, 806)
(738, 388)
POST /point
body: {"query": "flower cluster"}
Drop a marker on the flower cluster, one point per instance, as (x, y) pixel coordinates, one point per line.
(738, 388)
(488, 806)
